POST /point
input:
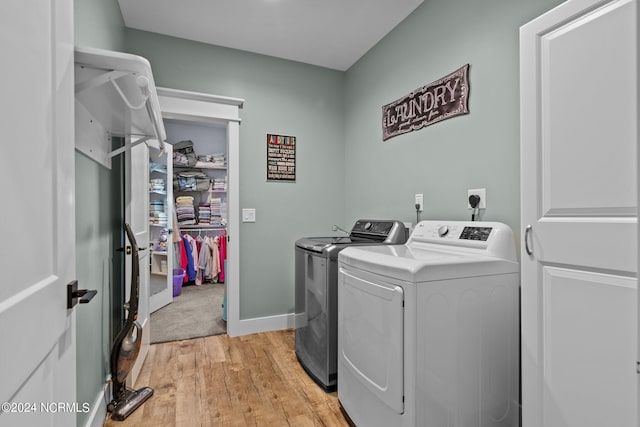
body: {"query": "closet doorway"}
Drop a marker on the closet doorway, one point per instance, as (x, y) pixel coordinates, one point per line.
(204, 132)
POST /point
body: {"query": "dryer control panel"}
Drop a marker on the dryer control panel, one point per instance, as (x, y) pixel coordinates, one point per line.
(488, 238)
(476, 233)
(390, 232)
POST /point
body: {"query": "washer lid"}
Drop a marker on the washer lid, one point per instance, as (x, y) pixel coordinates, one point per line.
(423, 264)
(319, 244)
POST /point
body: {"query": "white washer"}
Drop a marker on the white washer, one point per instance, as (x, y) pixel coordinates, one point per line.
(428, 331)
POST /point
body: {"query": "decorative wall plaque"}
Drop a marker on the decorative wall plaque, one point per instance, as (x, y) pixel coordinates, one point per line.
(281, 158)
(440, 100)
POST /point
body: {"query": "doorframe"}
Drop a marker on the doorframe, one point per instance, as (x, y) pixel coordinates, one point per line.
(198, 107)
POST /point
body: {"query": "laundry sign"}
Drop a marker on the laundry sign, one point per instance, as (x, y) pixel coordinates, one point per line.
(442, 99)
(281, 158)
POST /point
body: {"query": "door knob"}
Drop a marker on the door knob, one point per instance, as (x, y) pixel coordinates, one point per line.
(75, 295)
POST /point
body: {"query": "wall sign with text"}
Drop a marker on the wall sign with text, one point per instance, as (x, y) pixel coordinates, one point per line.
(442, 99)
(281, 158)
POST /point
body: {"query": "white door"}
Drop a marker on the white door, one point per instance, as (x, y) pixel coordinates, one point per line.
(579, 135)
(37, 331)
(161, 286)
(137, 215)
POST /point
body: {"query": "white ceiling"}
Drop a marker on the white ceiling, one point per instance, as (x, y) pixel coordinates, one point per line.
(328, 33)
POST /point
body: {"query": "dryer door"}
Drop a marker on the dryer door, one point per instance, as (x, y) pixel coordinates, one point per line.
(371, 336)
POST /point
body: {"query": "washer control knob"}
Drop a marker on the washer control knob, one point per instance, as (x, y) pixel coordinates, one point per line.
(367, 226)
(443, 230)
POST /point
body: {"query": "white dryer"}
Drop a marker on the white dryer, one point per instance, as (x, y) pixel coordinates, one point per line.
(428, 331)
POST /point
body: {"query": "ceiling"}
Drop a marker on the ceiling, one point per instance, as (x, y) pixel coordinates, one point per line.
(327, 33)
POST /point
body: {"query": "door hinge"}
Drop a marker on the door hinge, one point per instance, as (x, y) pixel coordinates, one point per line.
(637, 367)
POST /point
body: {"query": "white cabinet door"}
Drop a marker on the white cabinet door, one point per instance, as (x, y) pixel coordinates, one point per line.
(579, 135)
(37, 331)
(161, 287)
(137, 215)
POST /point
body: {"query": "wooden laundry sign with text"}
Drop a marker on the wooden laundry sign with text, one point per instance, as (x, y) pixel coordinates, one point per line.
(442, 99)
(281, 158)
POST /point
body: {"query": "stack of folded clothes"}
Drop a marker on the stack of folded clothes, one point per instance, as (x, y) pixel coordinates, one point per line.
(204, 161)
(220, 184)
(157, 216)
(216, 211)
(160, 219)
(218, 161)
(185, 210)
(211, 161)
(204, 213)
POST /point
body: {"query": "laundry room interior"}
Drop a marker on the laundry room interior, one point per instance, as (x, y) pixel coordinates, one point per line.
(349, 181)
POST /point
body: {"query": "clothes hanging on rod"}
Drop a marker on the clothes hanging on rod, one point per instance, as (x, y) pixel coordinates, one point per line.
(208, 265)
(187, 259)
(200, 257)
(222, 243)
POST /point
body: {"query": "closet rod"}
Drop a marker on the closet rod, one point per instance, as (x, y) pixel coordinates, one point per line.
(203, 229)
(187, 230)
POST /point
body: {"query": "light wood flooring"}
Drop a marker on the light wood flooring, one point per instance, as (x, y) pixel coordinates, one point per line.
(253, 380)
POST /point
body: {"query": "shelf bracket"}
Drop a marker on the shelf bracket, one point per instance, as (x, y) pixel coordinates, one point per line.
(128, 146)
(99, 80)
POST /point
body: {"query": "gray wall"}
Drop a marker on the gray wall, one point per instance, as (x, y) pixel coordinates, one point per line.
(345, 171)
(282, 97)
(97, 23)
(442, 161)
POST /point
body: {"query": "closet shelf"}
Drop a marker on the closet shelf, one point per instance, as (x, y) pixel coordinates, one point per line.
(200, 191)
(116, 96)
(223, 168)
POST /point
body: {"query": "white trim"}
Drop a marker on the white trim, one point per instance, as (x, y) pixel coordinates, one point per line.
(98, 408)
(203, 119)
(265, 324)
(197, 96)
(232, 279)
(198, 108)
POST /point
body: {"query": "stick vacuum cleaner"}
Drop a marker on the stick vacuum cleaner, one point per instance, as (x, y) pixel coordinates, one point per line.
(127, 346)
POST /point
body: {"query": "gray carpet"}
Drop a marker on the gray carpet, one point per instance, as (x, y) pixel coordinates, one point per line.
(196, 312)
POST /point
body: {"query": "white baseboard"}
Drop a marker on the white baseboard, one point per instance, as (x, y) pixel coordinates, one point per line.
(99, 408)
(264, 324)
(300, 320)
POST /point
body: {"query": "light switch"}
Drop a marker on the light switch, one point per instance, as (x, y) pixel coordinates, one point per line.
(248, 215)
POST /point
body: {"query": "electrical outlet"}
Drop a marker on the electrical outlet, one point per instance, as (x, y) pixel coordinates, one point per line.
(482, 192)
(419, 201)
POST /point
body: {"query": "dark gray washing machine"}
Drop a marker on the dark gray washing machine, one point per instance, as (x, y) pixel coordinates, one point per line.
(316, 290)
